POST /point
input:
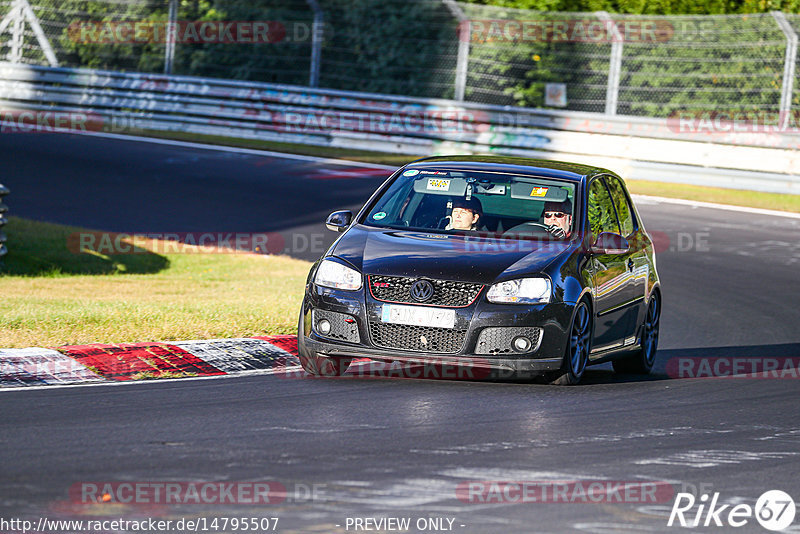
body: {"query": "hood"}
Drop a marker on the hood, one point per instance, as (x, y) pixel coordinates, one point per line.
(444, 256)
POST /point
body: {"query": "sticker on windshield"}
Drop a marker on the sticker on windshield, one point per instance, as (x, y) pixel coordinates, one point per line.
(438, 185)
(380, 215)
(411, 172)
(539, 191)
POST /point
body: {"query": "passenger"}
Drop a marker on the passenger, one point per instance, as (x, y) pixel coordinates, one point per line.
(465, 215)
(557, 216)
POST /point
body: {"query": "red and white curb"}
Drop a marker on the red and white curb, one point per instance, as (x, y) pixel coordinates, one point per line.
(103, 363)
(36, 366)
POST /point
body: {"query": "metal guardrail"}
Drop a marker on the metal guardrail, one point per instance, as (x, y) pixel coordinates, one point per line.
(628, 64)
(638, 147)
(3, 210)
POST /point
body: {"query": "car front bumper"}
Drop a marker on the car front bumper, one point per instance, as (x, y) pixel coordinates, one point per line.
(482, 364)
(553, 319)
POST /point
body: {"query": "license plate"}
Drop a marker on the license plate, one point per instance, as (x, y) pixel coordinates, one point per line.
(418, 316)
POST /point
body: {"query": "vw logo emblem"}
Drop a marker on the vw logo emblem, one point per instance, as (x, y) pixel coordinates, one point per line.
(421, 290)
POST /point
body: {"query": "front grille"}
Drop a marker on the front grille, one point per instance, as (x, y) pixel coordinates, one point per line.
(406, 337)
(497, 340)
(446, 293)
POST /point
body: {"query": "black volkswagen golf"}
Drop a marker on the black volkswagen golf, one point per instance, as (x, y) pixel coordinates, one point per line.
(509, 265)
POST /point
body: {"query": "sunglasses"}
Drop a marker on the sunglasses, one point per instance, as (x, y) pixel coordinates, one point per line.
(554, 214)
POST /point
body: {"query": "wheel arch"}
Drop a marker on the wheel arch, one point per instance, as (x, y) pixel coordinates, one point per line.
(655, 289)
(586, 296)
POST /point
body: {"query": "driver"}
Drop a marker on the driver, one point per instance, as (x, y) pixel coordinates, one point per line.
(465, 214)
(557, 216)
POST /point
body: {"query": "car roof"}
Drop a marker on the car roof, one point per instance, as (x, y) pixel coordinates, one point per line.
(539, 167)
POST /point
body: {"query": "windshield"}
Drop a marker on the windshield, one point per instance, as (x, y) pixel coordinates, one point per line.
(470, 201)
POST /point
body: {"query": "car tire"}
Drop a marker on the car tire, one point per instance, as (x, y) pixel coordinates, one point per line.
(641, 362)
(576, 352)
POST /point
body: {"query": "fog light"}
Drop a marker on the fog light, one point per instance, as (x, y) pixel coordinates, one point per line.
(324, 327)
(521, 344)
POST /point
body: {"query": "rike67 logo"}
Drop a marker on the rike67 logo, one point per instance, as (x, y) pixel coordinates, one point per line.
(774, 510)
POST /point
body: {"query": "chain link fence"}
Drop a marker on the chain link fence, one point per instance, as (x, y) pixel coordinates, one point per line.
(390, 46)
(515, 53)
(617, 64)
(722, 62)
(794, 22)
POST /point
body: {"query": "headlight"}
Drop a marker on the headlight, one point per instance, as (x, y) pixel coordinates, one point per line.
(336, 275)
(521, 291)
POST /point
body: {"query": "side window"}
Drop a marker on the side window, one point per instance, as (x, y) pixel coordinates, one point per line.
(624, 210)
(601, 215)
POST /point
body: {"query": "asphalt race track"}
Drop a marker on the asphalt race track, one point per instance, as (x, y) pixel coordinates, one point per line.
(391, 447)
(129, 187)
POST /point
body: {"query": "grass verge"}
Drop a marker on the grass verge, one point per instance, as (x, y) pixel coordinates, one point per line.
(52, 296)
(736, 197)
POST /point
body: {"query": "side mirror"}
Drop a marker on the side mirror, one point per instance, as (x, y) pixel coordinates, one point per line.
(338, 221)
(609, 243)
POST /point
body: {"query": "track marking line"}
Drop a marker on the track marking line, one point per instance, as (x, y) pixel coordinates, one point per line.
(237, 150)
(713, 205)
